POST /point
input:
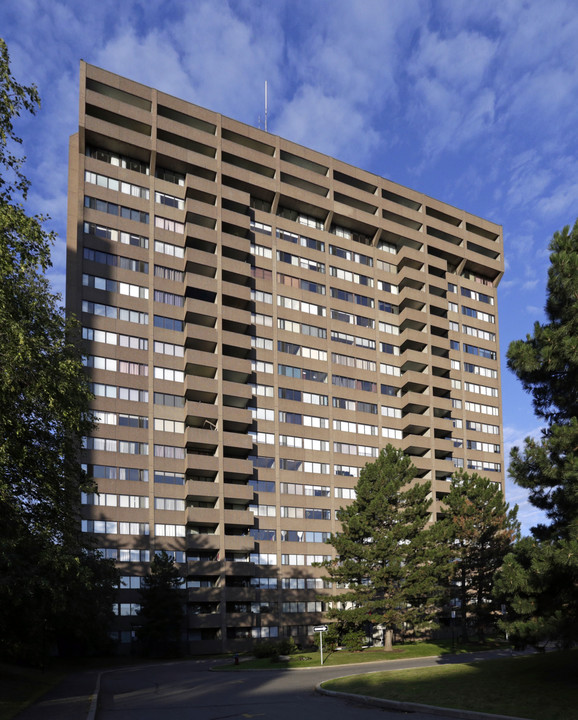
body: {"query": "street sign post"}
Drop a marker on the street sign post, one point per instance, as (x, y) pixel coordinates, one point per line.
(320, 629)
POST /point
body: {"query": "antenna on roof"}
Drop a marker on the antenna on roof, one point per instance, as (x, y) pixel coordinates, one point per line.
(265, 106)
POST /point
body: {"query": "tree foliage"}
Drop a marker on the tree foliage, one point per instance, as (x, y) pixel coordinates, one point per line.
(541, 580)
(44, 412)
(481, 529)
(162, 608)
(390, 563)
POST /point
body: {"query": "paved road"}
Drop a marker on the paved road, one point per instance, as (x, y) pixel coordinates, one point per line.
(189, 690)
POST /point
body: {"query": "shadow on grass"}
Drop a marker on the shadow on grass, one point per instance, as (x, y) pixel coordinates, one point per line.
(539, 687)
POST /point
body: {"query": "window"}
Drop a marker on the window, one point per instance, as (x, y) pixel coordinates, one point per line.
(352, 297)
(352, 340)
(261, 343)
(301, 239)
(169, 249)
(260, 319)
(125, 263)
(353, 383)
(388, 328)
(262, 390)
(481, 352)
(116, 185)
(168, 224)
(169, 200)
(108, 233)
(300, 513)
(169, 478)
(475, 295)
(350, 255)
(172, 426)
(117, 160)
(388, 307)
(260, 296)
(388, 411)
(169, 374)
(352, 319)
(169, 451)
(165, 348)
(112, 338)
(480, 408)
(169, 400)
(168, 323)
(261, 251)
(164, 530)
(260, 227)
(471, 312)
(168, 273)
(476, 332)
(346, 493)
(123, 288)
(301, 283)
(301, 262)
(298, 489)
(388, 287)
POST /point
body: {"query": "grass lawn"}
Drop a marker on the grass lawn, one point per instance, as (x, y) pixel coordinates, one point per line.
(19, 687)
(343, 657)
(539, 687)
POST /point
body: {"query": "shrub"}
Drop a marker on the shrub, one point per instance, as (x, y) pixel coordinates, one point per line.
(265, 649)
(286, 646)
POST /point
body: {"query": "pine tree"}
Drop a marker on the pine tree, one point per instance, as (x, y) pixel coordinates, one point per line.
(540, 581)
(481, 529)
(387, 559)
(162, 608)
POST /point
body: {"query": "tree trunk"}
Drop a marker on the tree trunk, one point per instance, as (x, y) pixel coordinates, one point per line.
(388, 640)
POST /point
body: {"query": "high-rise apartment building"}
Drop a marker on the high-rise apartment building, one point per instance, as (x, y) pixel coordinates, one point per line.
(259, 320)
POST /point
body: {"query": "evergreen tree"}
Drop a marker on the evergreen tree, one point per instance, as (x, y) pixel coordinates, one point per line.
(44, 412)
(540, 581)
(162, 608)
(481, 529)
(389, 561)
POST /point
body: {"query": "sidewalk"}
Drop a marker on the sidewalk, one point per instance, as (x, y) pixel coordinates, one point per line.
(70, 700)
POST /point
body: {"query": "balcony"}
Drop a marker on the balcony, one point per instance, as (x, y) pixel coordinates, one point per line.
(204, 491)
(232, 491)
(200, 363)
(241, 518)
(239, 543)
(203, 542)
(203, 464)
(201, 389)
(201, 337)
(202, 439)
(203, 516)
(234, 442)
(201, 312)
(237, 468)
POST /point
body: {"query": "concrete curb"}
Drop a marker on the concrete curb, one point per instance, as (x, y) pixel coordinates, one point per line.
(401, 706)
(94, 699)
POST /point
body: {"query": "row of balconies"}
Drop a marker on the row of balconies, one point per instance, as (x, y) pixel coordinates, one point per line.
(199, 153)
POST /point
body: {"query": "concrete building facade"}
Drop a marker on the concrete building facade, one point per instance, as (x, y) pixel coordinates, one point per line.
(259, 320)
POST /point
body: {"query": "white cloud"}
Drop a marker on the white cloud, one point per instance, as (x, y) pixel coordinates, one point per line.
(326, 124)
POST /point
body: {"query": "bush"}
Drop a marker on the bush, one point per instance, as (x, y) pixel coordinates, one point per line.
(286, 646)
(265, 649)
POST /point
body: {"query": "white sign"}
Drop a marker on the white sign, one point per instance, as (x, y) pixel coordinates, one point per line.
(320, 628)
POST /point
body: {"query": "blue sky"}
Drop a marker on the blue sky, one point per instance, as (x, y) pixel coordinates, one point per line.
(473, 103)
